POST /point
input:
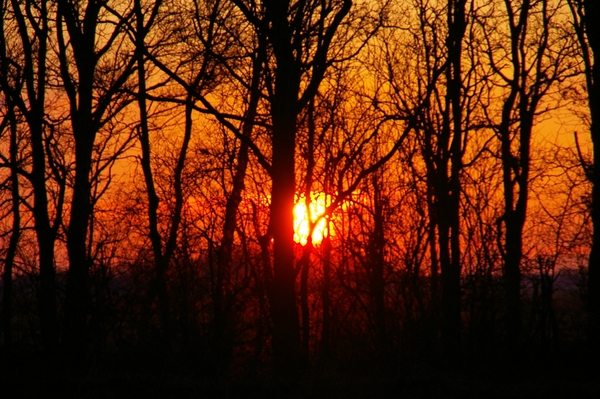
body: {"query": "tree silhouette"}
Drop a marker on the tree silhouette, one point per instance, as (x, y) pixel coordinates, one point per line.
(535, 67)
(83, 58)
(155, 156)
(26, 89)
(588, 36)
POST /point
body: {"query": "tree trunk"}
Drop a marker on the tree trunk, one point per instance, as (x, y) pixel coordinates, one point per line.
(592, 10)
(223, 350)
(304, 265)
(376, 285)
(34, 110)
(284, 112)
(7, 275)
(325, 343)
(86, 115)
(158, 286)
(282, 298)
(450, 206)
(78, 281)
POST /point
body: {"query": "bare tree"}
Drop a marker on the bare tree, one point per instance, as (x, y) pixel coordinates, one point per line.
(588, 35)
(92, 75)
(535, 66)
(436, 102)
(28, 60)
(9, 122)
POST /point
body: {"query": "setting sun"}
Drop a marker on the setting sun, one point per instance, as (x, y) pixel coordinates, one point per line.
(302, 216)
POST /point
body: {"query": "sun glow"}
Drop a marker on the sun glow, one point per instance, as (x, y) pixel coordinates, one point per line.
(302, 214)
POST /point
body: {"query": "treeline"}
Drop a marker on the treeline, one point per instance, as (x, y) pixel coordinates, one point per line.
(152, 152)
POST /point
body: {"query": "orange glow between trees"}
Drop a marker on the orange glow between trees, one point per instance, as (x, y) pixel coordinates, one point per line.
(302, 215)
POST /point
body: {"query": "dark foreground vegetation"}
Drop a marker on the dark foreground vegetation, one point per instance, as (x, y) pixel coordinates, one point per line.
(307, 198)
(126, 360)
(147, 377)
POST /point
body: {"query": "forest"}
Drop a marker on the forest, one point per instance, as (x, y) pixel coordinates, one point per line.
(299, 198)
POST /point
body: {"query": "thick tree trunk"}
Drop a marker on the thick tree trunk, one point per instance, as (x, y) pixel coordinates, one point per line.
(282, 298)
(284, 112)
(85, 125)
(450, 300)
(512, 280)
(78, 282)
(514, 218)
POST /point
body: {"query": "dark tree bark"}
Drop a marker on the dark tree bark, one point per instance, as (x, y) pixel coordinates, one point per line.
(162, 253)
(435, 105)
(223, 344)
(515, 177)
(441, 134)
(376, 278)
(32, 106)
(534, 69)
(449, 214)
(325, 343)
(85, 127)
(11, 251)
(588, 34)
(284, 112)
(285, 23)
(442, 151)
(9, 121)
(592, 8)
(89, 109)
(305, 261)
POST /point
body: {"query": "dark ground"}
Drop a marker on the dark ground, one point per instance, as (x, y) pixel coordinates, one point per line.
(559, 378)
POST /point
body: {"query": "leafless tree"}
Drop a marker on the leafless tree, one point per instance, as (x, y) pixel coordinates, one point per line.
(588, 35)
(535, 67)
(25, 82)
(93, 69)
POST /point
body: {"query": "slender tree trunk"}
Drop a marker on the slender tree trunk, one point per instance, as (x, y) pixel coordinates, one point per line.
(515, 149)
(158, 285)
(377, 274)
(224, 256)
(592, 10)
(46, 236)
(442, 151)
(450, 198)
(34, 74)
(433, 251)
(325, 343)
(7, 275)
(304, 265)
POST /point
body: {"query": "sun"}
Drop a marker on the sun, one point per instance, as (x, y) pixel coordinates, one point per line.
(314, 212)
